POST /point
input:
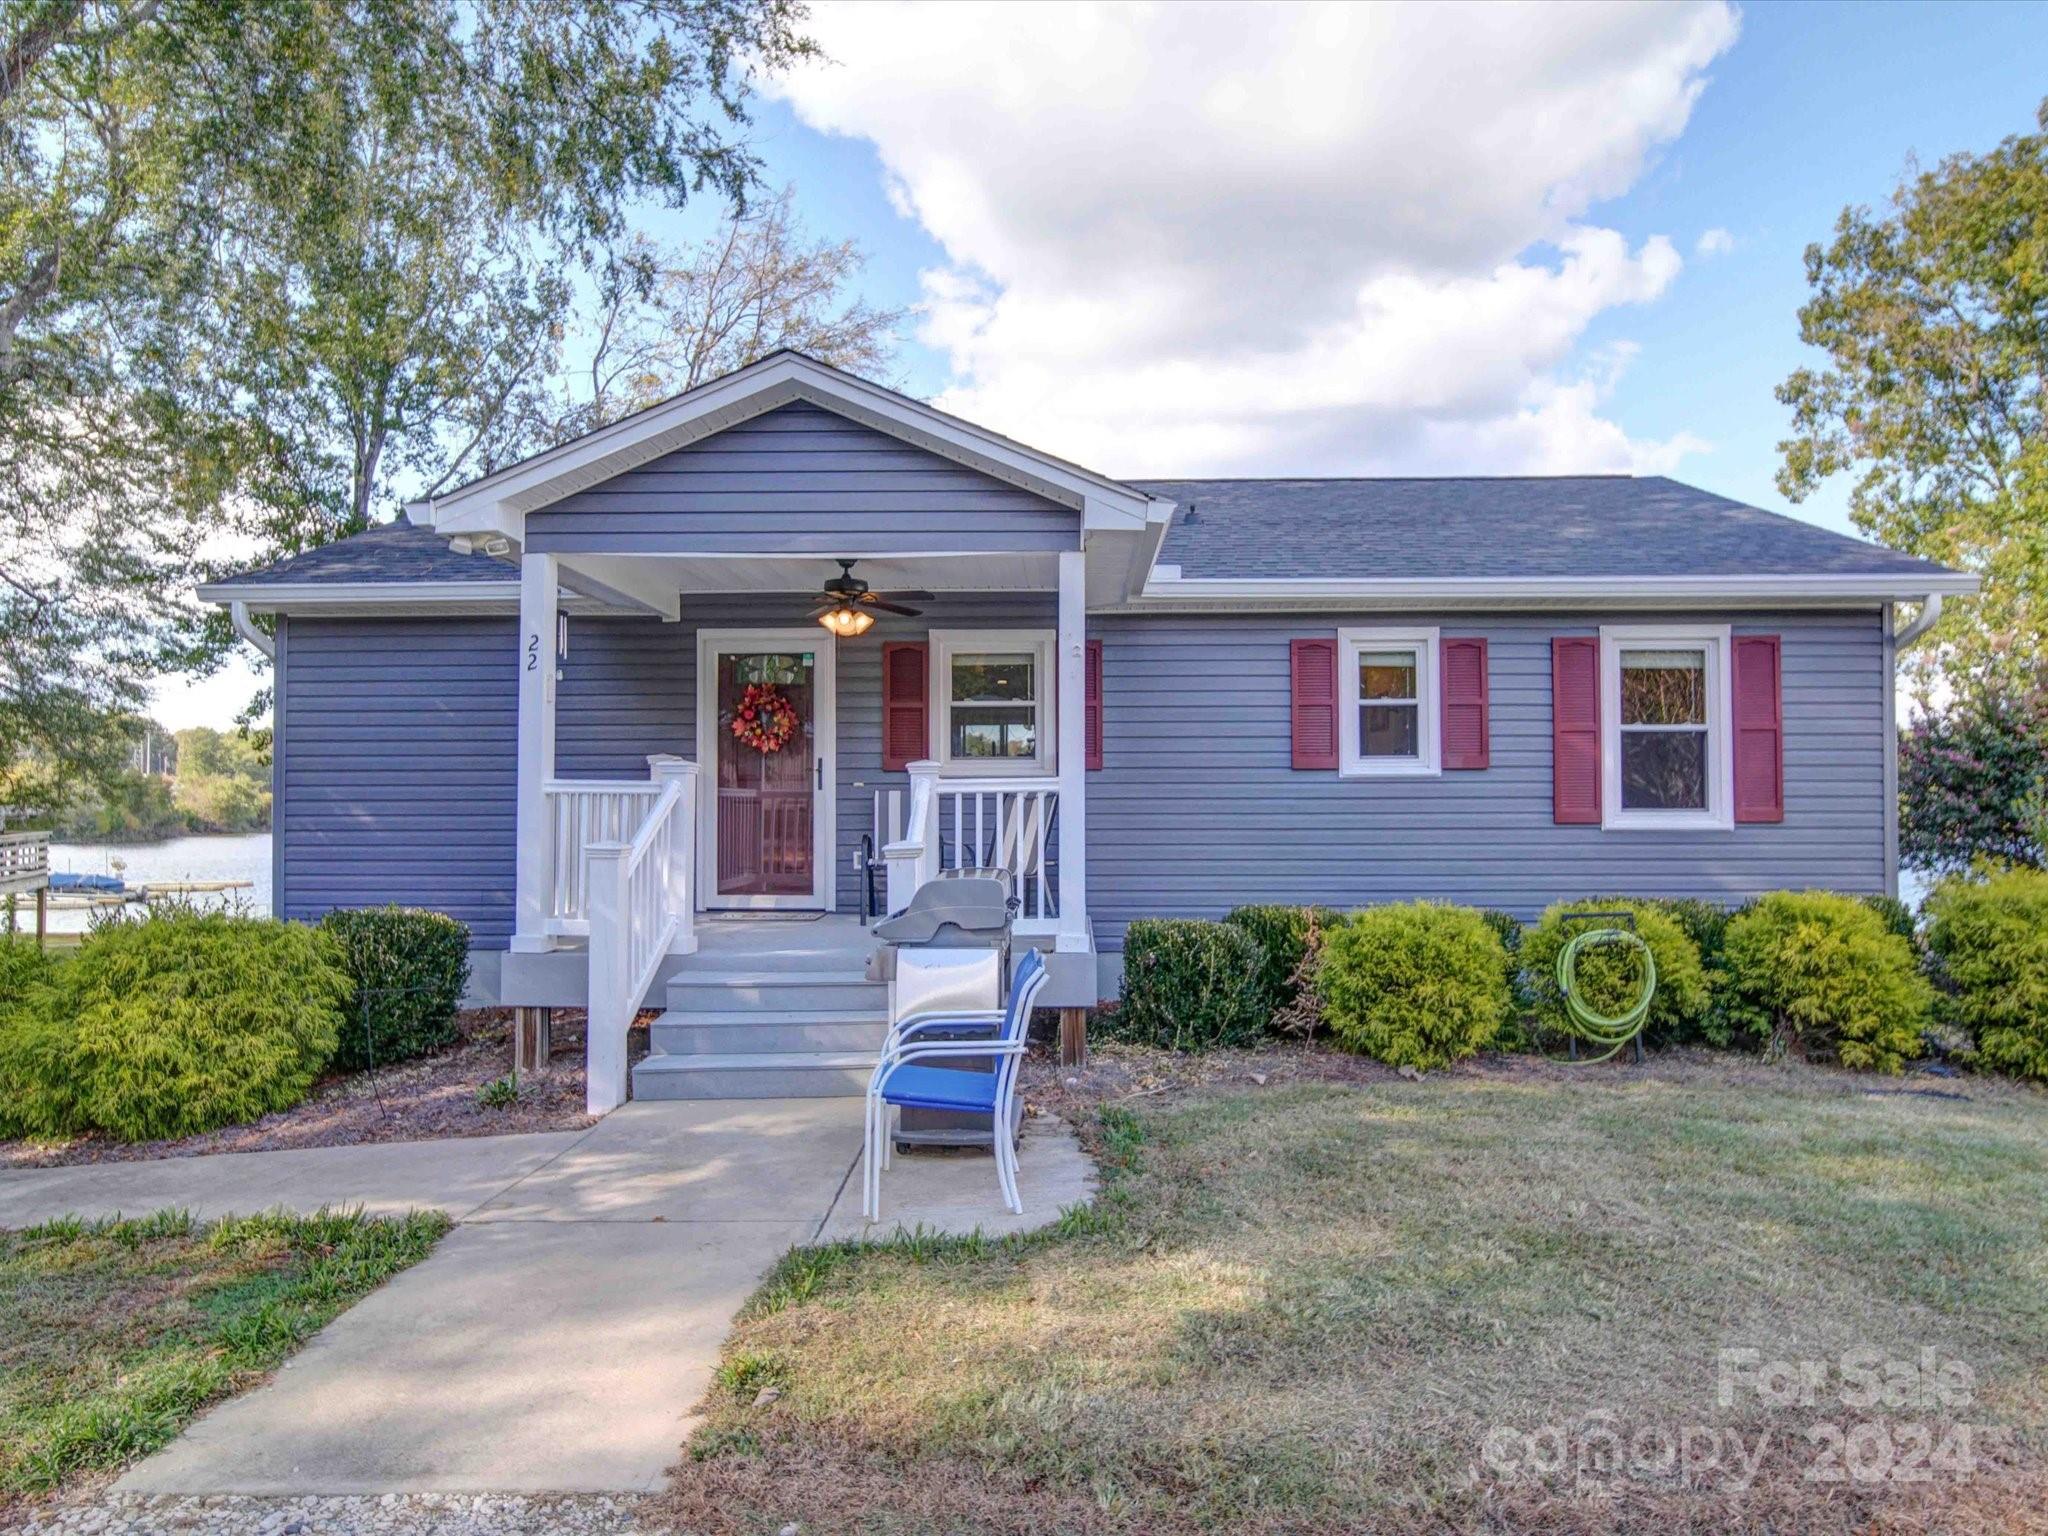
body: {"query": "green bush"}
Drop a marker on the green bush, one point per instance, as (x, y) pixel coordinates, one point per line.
(1415, 985)
(1896, 916)
(1282, 932)
(1820, 973)
(1190, 985)
(35, 1090)
(1611, 979)
(409, 968)
(1990, 937)
(177, 1024)
(1509, 930)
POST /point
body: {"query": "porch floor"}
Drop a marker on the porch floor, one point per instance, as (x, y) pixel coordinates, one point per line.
(754, 942)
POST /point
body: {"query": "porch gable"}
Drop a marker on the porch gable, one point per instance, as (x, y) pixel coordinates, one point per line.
(802, 479)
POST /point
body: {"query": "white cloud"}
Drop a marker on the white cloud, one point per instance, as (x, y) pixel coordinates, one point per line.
(1715, 242)
(1187, 238)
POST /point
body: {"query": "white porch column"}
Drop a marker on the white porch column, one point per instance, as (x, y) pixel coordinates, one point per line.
(539, 600)
(1073, 751)
(665, 769)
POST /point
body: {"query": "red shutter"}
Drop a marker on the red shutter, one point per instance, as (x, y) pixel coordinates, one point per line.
(1314, 665)
(906, 738)
(1759, 729)
(1575, 729)
(1091, 704)
(1467, 741)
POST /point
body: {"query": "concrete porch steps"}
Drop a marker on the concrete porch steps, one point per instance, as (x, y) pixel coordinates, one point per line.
(768, 1075)
(768, 1027)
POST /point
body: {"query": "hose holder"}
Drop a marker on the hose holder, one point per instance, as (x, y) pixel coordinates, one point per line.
(1617, 931)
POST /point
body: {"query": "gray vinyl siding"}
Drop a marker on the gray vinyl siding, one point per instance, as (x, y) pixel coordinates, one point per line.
(398, 768)
(1197, 809)
(629, 688)
(397, 764)
(801, 480)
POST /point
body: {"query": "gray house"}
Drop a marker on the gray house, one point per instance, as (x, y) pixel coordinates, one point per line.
(626, 711)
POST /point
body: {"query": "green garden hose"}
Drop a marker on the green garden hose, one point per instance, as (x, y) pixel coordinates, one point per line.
(1588, 1024)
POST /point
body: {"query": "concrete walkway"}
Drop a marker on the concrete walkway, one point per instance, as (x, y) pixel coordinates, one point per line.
(557, 1339)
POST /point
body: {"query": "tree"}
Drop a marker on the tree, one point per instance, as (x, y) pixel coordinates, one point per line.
(1973, 780)
(673, 318)
(259, 256)
(1934, 319)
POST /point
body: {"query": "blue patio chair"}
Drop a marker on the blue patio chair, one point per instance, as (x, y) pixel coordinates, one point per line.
(901, 1080)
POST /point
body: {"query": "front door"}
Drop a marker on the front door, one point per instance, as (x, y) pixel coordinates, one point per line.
(766, 841)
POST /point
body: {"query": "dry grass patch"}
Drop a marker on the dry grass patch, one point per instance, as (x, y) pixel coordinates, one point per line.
(1304, 1305)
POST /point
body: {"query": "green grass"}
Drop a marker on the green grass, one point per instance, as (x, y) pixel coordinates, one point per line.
(1302, 1308)
(114, 1334)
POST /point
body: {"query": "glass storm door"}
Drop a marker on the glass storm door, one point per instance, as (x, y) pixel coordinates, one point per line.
(767, 833)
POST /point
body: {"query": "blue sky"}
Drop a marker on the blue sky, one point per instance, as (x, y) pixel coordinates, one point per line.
(1813, 107)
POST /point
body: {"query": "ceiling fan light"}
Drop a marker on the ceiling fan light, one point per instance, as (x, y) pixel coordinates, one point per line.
(847, 621)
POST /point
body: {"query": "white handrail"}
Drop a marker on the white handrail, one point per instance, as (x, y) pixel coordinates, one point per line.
(582, 812)
(641, 895)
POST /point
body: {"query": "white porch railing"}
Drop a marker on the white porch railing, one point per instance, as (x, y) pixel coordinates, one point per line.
(639, 896)
(24, 861)
(582, 812)
(972, 822)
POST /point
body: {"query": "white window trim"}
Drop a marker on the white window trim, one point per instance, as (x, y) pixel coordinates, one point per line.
(1713, 640)
(1428, 761)
(1041, 643)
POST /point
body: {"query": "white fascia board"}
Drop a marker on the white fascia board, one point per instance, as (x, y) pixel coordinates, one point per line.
(268, 595)
(499, 501)
(1487, 591)
(403, 597)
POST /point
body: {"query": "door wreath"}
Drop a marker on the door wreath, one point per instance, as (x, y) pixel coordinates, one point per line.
(765, 719)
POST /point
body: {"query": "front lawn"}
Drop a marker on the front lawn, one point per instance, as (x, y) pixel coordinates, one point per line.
(1394, 1306)
(113, 1335)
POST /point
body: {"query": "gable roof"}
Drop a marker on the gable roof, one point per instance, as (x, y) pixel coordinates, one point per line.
(1520, 527)
(498, 502)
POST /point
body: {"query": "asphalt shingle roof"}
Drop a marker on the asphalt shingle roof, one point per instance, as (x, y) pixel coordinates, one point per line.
(1564, 525)
(1533, 527)
(389, 552)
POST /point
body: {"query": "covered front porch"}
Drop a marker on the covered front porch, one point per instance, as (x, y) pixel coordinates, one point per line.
(723, 859)
(673, 570)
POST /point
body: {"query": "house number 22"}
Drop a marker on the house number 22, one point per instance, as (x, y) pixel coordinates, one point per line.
(533, 653)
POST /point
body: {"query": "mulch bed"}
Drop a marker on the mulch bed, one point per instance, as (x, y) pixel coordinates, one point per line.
(429, 1099)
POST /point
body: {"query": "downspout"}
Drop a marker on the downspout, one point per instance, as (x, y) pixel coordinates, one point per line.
(1928, 616)
(238, 615)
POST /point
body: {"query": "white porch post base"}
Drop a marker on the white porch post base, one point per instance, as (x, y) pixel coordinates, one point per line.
(533, 881)
(1074, 935)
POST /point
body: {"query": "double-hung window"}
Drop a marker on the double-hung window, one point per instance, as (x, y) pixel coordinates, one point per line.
(1666, 753)
(992, 701)
(1388, 702)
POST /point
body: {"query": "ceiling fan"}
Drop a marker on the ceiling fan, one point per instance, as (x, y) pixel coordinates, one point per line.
(848, 608)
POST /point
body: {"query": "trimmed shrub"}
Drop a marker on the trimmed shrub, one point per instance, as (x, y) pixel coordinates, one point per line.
(1509, 930)
(180, 1023)
(1896, 916)
(1282, 932)
(36, 1095)
(1990, 937)
(1190, 985)
(1820, 973)
(1610, 979)
(409, 967)
(1416, 985)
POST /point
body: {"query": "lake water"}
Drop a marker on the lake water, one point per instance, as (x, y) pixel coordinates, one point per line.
(243, 857)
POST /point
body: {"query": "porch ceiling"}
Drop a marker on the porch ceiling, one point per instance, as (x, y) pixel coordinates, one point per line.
(806, 573)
